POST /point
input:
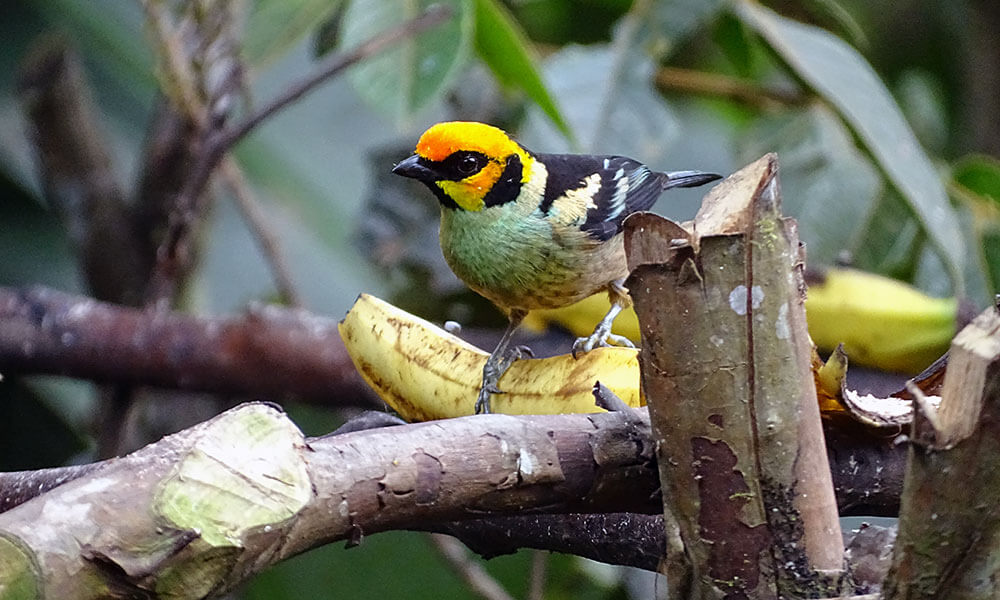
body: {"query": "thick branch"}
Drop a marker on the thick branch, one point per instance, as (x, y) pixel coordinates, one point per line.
(268, 352)
(628, 538)
(75, 167)
(725, 366)
(246, 490)
(949, 525)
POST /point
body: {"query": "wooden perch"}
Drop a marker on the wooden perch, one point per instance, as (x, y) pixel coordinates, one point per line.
(204, 509)
(270, 351)
(949, 524)
(725, 364)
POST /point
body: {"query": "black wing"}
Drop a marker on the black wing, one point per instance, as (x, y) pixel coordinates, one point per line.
(626, 186)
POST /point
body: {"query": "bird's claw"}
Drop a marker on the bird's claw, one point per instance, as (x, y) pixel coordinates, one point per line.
(523, 352)
(483, 402)
(493, 370)
(600, 339)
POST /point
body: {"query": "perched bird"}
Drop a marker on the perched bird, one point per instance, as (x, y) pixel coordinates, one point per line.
(529, 230)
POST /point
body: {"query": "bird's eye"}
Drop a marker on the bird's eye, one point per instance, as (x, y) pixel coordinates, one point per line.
(469, 164)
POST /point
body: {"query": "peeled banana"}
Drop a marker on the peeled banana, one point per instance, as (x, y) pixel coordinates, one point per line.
(425, 373)
(881, 322)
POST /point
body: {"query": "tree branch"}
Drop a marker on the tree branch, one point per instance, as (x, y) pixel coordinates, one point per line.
(245, 490)
(267, 352)
(171, 253)
(76, 172)
(279, 353)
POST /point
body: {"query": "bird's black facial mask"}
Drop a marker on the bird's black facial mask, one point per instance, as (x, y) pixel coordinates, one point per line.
(459, 166)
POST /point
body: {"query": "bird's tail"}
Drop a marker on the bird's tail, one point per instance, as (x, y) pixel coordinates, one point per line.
(687, 179)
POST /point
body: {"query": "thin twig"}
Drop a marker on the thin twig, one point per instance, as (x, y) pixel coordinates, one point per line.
(434, 15)
(176, 65)
(536, 579)
(713, 84)
(473, 573)
(267, 240)
(218, 143)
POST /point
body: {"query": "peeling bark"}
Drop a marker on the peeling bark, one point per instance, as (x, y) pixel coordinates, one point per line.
(725, 367)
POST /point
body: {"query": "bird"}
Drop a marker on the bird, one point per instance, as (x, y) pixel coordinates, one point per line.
(529, 230)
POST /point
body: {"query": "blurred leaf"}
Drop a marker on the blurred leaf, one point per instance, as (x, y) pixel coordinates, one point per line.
(561, 22)
(328, 33)
(991, 256)
(730, 36)
(414, 73)
(669, 22)
(891, 240)
(922, 101)
(840, 75)
(34, 248)
(274, 26)
(976, 184)
(979, 287)
(826, 182)
(362, 572)
(505, 49)
(110, 29)
(613, 109)
(980, 175)
(32, 436)
(842, 18)
(607, 96)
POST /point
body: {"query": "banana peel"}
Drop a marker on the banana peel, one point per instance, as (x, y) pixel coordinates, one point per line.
(579, 318)
(424, 373)
(882, 323)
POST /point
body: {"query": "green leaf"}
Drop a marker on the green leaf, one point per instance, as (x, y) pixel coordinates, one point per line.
(980, 175)
(922, 101)
(609, 102)
(665, 24)
(505, 49)
(976, 184)
(990, 241)
(841, 76)
(414, 73)
(891, 240)
(730, 36)
(274, 26)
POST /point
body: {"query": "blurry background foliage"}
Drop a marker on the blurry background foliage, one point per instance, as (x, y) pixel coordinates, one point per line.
(886, 117)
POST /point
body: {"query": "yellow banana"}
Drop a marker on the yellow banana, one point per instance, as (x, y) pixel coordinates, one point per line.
(579, 318)
(881, 322)
(424, 372)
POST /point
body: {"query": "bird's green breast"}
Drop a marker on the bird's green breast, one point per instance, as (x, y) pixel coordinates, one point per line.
(511, 255)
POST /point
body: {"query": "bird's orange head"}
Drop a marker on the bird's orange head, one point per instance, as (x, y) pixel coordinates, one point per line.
(468, 165)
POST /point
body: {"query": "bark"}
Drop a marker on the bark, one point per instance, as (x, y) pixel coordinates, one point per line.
(949, 529)
(202, 510)
(269, 351)
(748, 497)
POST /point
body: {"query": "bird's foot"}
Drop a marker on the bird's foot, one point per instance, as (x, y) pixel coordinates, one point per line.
(601, 338)
(496, 365)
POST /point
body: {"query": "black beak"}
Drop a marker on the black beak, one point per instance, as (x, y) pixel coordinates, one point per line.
(414, 168)
(688, 179)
